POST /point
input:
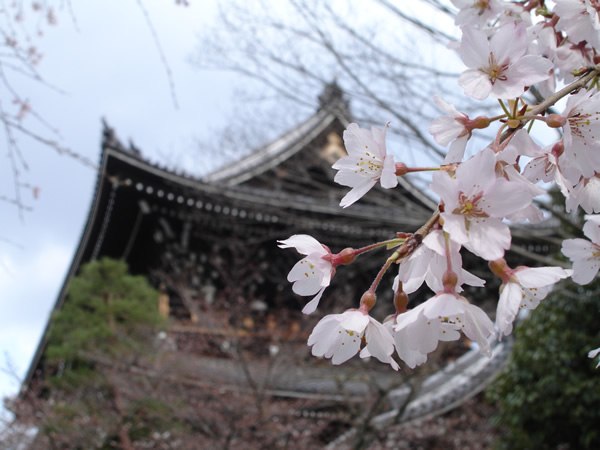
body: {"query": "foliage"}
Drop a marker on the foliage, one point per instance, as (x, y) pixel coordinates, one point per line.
(549, 395)
(107, 323)
(107, 311)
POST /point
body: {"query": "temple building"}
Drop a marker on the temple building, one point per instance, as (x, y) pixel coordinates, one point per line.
(205, 242)
(209, 244)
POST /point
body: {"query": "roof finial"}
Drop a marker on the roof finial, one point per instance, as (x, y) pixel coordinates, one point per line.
(332, 99)
(109, 137)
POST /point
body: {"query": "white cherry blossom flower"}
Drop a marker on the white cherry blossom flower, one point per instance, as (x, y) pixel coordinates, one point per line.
(455, 129)
(428, 264)
(582, 132)
(544, 166)
(440, 317)
(506, 163)
(584, 254)
(585, 194)
(340, 336)
(475, 201)
(402, 340)
(366, 164)
(415, 335)
(500, 66)
(312, 274)
(579, 20)
(522, 288)
(476, 12)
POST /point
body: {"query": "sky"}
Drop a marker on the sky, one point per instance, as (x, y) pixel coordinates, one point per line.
(105, 61)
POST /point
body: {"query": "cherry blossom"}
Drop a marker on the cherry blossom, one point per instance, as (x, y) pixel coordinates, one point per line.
(522, 288)
(455, 129)
(428, 263)
(544, 167)
(310, 275)
(500, 66)
(507, 162)
(585, 194)
(435, 319)
(476, 12)
(584, 254)
(475, 201)
(507, 48)
(582, 132)
(402, 341)
(340, 336)
(579, 19)
(366, 164)
(416, 335)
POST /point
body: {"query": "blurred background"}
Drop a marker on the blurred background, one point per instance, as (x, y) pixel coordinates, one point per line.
(192, 87)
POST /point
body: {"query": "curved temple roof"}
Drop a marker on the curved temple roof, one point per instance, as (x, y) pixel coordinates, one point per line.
(131, 192)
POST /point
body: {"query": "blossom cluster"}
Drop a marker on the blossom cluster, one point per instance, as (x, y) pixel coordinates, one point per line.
(510, 49)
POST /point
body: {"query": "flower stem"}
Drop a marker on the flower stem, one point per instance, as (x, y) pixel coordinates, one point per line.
(368, 248)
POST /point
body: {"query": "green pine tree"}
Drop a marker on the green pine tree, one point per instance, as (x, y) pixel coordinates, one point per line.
(107, 324)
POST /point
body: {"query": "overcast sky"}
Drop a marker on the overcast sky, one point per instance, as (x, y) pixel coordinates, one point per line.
(107, 64)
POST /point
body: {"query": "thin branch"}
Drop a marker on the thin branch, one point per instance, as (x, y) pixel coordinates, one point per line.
(160, 51)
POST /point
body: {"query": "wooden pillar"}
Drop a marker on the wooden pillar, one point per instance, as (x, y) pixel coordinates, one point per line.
(163, 303)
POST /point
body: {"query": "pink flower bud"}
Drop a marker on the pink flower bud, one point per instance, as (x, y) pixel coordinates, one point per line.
(555, 121)
(367, 301)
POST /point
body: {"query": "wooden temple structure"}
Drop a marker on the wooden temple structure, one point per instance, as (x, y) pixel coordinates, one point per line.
(209, 244)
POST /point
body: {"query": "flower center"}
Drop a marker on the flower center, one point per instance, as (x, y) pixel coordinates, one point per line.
(368, 164)
(481, 6)
(581, 122)
(469, 206)
(495, 70)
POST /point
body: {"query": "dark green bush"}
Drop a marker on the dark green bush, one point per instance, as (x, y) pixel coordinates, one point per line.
(549, 395)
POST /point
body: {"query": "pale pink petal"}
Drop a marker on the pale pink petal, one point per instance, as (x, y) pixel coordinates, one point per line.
(479, 328)
(388, 178)
(447, 188)
(584, 271)
(506, 197)
(304, 244)
(456, 152)
(477, 174)
(380, 343)
(577, 249)
(529, 70)
(470, 279)
(443, 305)
(475, 83)
(454, 225)
(357, 140)
(509, 43)
(508, 307)
(345, 347)
(591, 228)
(323, 334)
(308, 286)
(355, 321)
(311, 306)
(357, 192)
(488, 238)
(474, 47)
(536, 277)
